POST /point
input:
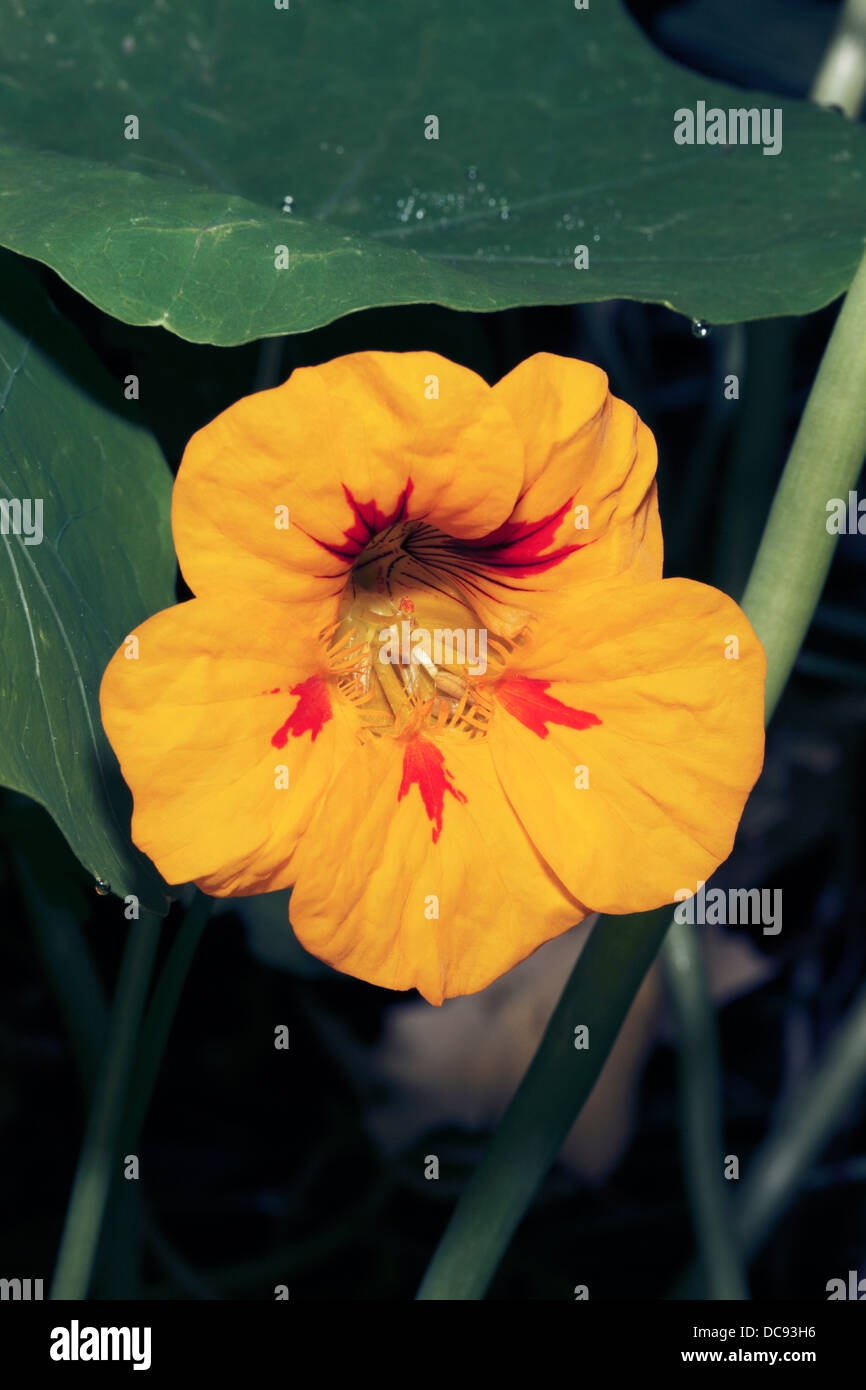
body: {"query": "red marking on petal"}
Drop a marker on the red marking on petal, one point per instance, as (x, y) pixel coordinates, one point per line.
(517, 546)
(275, 691)
(311, 713)
(368, 520)
(424, 766)
(525, 697)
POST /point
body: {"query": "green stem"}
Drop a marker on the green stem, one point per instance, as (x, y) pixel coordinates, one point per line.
(700, 1122)
(98, 1156)
(825, 461)
(821, 455)
(841, 78)
(781, 596)
(599, 991)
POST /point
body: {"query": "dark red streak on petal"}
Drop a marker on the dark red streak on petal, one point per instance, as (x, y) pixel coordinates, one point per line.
(518, 546)
(368, 521)
(424, 766)
(525, 697)
(311, 713)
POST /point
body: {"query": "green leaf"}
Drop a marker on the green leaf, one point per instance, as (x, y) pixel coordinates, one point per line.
(555, 130)
(104, 562)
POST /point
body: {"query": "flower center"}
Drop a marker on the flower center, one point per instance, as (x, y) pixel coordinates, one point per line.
(408, 652)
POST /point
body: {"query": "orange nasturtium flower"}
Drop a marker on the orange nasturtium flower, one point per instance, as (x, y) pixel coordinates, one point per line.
(432, 677)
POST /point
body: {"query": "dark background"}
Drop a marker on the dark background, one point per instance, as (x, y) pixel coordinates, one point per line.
(261, 1167)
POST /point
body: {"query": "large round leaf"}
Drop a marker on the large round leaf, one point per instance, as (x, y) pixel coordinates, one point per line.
(555, 131)
(85, 555)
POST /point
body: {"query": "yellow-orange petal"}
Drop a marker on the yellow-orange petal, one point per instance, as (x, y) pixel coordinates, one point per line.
(418, 874)
(583, 449)
(227, 738)
(346, 449)
(628, 736)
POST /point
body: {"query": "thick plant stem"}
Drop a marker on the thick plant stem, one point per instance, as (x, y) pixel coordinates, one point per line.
(772, 1180)
(825, 461)
(93, 1176)
(841, 78)
(781, 596)
(599, 991)
(700, 1113)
